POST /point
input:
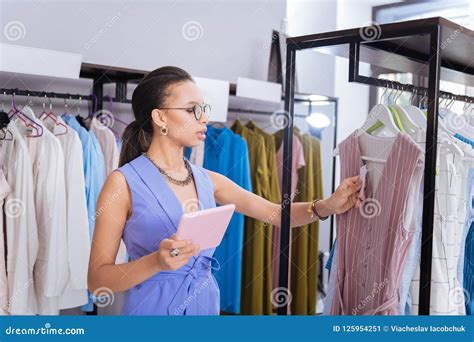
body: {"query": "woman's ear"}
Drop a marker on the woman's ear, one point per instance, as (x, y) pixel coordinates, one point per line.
(158, 117)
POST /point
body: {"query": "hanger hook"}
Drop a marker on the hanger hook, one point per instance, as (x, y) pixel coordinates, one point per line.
(383, 93)
(3, 100)
(452, 102)
(79, 106)
(394, 85)
(44, 102)
(400, 86)
(389, 98)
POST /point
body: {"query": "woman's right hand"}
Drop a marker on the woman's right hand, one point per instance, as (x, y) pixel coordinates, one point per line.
(167, 262)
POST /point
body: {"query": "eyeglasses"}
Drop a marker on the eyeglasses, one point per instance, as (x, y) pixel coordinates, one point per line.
(197, 110)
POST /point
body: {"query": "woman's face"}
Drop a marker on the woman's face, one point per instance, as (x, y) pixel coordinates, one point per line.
(182, 125)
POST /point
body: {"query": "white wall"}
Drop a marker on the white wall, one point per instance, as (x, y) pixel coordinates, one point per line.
(232, 35)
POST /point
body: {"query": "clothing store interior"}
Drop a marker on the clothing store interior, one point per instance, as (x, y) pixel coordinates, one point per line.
(299, 96)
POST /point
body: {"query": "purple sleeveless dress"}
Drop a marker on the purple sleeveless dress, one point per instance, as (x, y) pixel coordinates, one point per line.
(156, 211)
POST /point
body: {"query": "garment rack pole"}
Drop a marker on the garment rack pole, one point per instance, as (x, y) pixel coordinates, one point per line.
(51, 94)
(286, 183)
(412, 29)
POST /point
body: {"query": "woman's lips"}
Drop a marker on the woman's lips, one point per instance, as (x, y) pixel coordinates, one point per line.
(201, 136)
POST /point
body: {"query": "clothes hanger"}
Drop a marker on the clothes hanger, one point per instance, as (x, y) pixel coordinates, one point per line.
(416, 114)
(115, 118)
(393, 111)
(79, 118)
(30, 124)
(406, 122)
(456, 123)
(380, 116)
(50, 115)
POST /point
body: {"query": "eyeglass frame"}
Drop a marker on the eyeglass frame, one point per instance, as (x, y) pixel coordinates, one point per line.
(193, 108)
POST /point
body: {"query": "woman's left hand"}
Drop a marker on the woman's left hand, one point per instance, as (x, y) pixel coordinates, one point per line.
(345, 197)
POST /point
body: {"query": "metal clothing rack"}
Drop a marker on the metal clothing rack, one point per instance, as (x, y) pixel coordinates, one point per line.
(445, 47)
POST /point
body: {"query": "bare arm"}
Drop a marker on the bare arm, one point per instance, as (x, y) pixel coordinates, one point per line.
(113, 208)
(249, 204)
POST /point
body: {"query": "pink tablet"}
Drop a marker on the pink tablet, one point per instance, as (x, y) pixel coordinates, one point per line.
(205, 227)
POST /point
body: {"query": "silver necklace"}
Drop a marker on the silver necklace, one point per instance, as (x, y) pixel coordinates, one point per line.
(179, 182)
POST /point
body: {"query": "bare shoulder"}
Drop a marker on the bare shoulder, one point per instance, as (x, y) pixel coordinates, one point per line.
(116, 187)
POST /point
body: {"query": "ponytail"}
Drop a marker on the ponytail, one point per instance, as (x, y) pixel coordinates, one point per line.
(152, 92)
(135, 141)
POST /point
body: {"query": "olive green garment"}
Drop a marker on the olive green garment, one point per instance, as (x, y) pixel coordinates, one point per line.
(273, 196)
(256, 254)
(313, 243)
(270, 150)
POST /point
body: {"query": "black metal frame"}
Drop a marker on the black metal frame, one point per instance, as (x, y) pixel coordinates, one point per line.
(353, 37)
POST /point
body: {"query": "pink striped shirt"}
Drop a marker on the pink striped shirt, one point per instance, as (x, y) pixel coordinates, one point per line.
(372, 242)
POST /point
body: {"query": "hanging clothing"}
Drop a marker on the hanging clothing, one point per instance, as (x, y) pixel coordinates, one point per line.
(446, 289)
(78, 241)
(20, 222)
(273, 166)
(468, 253)
(305, 239)
(257, 252)
(414, 255)
(332, 261)
(227, 153)
(94, 171)
(51, 270)
(107, 144)
(270, 152)
(373, 235)
(156, 211)
(4, 191)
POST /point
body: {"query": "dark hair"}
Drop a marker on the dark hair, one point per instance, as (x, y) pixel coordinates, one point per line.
(150, 93)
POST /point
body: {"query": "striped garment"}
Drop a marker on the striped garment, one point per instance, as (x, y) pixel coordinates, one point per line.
(373, 241)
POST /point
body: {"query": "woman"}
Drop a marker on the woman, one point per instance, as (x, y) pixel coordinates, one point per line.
(144, 199)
